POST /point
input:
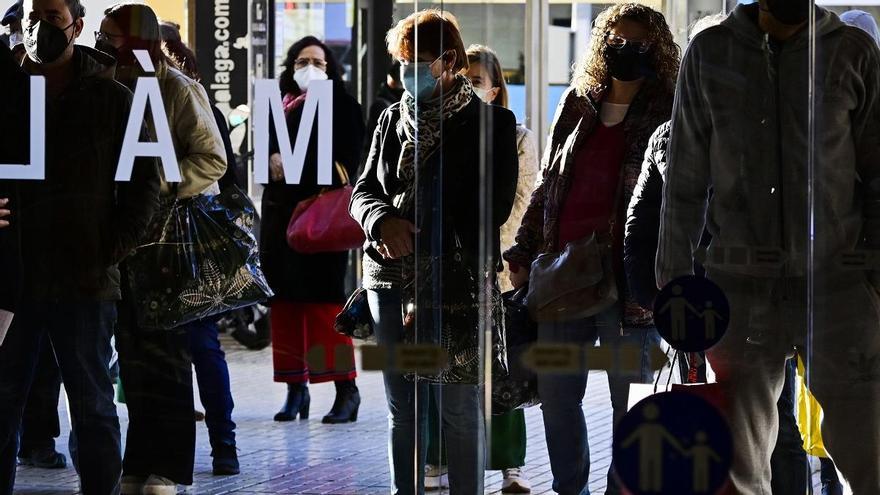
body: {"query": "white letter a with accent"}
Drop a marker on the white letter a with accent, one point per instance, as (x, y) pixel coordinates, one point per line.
(147, 93)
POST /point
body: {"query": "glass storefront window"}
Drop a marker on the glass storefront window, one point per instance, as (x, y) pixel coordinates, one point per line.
(557, 245)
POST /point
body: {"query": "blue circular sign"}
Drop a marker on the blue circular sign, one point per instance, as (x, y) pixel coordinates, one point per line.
(691, 313)
(673, 443)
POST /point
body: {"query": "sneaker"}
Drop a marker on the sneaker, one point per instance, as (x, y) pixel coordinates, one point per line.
(436, 477)
(515, 481)
(132, 485)
(157, 485)
(225, 460)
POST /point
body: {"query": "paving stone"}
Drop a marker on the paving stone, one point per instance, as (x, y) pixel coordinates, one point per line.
(307, 457)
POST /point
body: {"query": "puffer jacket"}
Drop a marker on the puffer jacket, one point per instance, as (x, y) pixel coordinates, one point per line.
(643, 222)
(740, 126)
(197, 140)
(576, 117)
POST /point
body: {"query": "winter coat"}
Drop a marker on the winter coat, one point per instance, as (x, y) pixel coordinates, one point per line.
(78, 223)
(576, 117)
(385, 97)
(197, 141)
(643, 222)
(528, 172)
(740, 127)
(293, 276)
(458, 173)
(448, 269)
(14, 142)
(230, 177)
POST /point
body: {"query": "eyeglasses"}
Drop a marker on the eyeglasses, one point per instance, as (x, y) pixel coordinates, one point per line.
(304, 61)
(102, 36)
(618, 42)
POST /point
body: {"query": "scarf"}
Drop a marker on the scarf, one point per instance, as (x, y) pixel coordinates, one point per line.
(419, 131)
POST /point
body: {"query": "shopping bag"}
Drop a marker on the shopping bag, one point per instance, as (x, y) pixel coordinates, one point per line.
(201, 259)
(809, 415)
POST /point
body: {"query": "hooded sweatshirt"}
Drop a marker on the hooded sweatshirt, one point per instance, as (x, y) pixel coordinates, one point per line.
(741, 126)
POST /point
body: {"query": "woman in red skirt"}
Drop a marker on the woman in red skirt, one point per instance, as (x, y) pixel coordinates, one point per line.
(309, 288)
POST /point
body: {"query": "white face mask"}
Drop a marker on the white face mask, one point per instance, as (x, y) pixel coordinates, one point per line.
(307, 74)
(482, 94)
(15, 38)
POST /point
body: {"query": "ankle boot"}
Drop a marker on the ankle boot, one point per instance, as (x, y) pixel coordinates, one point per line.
(298, 401)
(348, 401)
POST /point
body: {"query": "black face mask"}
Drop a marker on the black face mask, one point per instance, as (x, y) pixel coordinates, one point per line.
(44, 42)
(791, 12)
(627, 64)
(103, 46)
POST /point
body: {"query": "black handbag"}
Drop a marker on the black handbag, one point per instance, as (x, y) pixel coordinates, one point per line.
(518, 388)
(579, 281)
(355, 320)
(201, 259)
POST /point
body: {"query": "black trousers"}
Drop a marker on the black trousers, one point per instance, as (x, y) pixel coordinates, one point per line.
(156, 371)
(39, 423)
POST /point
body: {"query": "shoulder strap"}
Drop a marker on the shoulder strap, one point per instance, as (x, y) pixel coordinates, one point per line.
(343, 174)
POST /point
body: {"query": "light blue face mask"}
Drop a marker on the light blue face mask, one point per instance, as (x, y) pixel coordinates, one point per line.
(422, 87)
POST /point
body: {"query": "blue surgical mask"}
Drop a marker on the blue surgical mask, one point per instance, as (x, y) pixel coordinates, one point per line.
(422, 87)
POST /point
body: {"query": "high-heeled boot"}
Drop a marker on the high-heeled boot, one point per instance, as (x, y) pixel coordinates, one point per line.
(298, 401)
(348, 401)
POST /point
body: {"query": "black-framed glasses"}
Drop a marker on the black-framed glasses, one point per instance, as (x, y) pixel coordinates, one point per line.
(304, 61)
(618, 42)
(102, 36)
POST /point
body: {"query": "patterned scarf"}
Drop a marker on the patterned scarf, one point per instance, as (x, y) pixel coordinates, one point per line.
(419, 131)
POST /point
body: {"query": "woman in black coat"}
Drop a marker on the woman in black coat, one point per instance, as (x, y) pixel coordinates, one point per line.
(425, 206)
(309, 288)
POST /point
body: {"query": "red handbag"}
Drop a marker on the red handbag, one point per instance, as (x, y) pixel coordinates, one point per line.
(322, 224)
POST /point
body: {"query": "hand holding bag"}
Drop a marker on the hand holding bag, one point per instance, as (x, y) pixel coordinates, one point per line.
(355, 320)
(518, 389)
(322, 224)
(578, 282)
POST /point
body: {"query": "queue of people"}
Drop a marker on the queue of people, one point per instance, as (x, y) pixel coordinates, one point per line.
(651, 158)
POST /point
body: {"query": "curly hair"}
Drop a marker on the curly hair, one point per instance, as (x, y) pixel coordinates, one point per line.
(592, 72)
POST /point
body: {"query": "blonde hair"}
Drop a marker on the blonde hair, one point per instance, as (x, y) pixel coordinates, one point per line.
(592, 72)
(485, 56)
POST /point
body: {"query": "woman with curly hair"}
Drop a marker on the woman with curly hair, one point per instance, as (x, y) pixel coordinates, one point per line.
(620, 93)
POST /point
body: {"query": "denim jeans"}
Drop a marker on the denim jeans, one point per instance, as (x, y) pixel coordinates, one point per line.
(460, 410)
(562, 394)
(80, 335)
(212, 373)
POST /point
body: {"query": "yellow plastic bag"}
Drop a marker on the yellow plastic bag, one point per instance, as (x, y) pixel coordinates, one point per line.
(809, 416)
